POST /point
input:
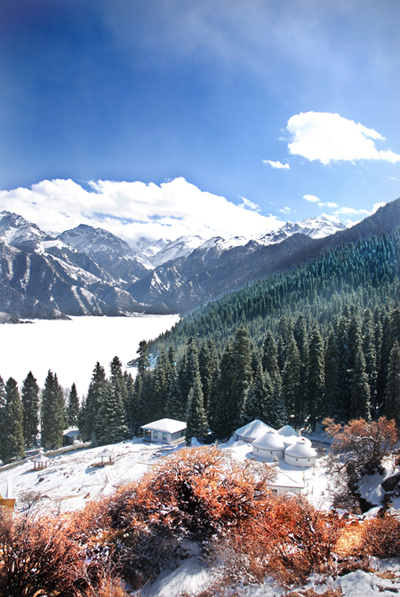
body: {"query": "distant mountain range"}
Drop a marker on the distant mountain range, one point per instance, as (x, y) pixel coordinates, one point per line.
(89, 271)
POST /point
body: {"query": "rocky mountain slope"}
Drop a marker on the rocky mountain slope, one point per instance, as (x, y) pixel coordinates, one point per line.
(89, 271)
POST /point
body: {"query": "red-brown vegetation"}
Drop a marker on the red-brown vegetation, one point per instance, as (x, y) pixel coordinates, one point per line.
(245, 531)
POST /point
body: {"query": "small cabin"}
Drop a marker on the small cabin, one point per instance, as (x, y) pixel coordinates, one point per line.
(70, 436)
(286, 484)
(168, 431)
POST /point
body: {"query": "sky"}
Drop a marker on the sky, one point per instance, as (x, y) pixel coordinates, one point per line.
(206, 117)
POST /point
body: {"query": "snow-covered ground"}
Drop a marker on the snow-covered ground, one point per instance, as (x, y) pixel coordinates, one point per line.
(72, 348)
(73, 478)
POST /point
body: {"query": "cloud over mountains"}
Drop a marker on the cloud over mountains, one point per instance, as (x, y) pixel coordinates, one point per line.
(134, 209)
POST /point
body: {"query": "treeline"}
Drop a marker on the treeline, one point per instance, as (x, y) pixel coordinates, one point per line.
(365, 274)
(26, 416)
(322, 340)
(297, 376)
(23, 413)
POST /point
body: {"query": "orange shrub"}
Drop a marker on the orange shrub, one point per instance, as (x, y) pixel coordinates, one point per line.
(381, 537)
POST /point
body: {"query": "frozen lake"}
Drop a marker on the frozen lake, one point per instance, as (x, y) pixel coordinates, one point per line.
(72, 348)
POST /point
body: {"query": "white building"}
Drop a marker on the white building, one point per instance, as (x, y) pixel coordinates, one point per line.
(285, 483)
(252, 431)
(268, 446)
(166, 431)
(290, 436)
(300, 454)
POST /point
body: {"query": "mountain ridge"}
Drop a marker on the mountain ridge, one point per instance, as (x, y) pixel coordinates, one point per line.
(90, 271)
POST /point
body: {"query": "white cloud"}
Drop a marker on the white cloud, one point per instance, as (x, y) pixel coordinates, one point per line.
(285, 210)
(247, 204)
(277, 165)
(331, 218)
(330, 137)
(312, 198)
(134, 209)
(351, 211)
(377, 206)
(327, 204)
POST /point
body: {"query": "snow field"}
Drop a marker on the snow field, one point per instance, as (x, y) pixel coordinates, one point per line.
(71, 348)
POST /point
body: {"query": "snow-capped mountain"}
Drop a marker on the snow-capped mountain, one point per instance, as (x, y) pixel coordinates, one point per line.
(318, 227)
(18, 232)
(163, 250)
(88, 270)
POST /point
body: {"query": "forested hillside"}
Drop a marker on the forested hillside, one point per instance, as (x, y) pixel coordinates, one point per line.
(322, 340)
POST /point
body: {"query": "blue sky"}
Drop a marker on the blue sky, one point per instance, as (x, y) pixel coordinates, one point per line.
(211, 116)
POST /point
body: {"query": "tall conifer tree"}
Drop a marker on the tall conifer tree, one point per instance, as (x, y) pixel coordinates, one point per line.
(12, 438)
(196, 417)
(316, 378)
(52, 413)
(73, 407)
(392, 404)
(30, 406)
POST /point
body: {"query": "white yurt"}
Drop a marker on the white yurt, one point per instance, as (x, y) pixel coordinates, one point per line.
(290, 436)
(268, 445)
(252, 431)
(300, 453)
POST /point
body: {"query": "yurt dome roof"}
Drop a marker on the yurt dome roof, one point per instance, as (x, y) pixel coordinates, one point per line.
(301, 449)
(287, 431)
(253, 430)
(269, 441)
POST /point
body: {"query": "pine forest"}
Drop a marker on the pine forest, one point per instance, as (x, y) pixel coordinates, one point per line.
(320, 341)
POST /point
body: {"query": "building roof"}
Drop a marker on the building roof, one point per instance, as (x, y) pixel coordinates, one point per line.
(269, 441)
(253, 430)
(301, 449)
(165, 426)
(71, 432)
(287, 431)
(283, 480)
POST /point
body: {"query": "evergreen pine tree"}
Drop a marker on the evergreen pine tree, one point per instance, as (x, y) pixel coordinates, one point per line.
(93, 402)
(30, 407)
(360, 407)
(291, 384)
(392, 404)
(12, 438)
(208, 365)
(73, 407)
(143, 360)
(384, 356)
(316, 378)
(259, 399)
(333, 404)
(146, 398)
(189, 368)
(301, 337)
(176, 404)
(2, 408)
(235, 379)
(345, 361)
(196, 417)
(52, 413)
(369, 350)
(118, 379)
(111, 421)
(162, 380)
(279, 415)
